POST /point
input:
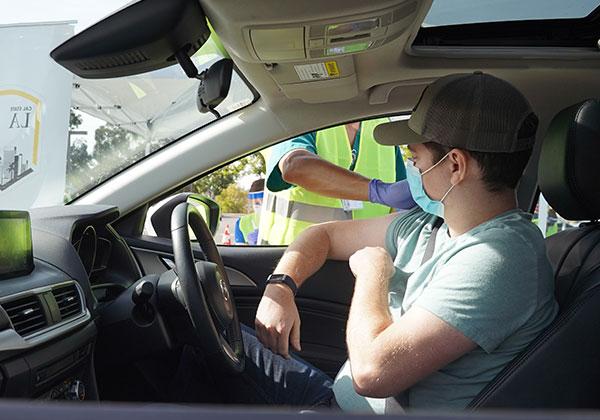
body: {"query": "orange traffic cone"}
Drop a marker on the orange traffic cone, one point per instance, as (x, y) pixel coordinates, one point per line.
(226, 239)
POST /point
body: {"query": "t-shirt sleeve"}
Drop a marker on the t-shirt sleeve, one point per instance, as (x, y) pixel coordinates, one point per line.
(275, 181)
(391, 237)
(486, 291)
(400, 168)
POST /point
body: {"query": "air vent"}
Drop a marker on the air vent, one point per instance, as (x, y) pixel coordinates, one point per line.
(26, 314)
(68, 301)
(117, 60)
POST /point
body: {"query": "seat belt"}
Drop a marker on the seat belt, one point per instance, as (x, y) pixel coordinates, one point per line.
(431, 241)
(402, 398)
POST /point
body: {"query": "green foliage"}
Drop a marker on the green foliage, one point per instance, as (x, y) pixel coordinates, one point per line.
(79, 162)
(117, 146)
(255, 164)
(79, 158)
(213, 184)
(233, 199)
(74, 120)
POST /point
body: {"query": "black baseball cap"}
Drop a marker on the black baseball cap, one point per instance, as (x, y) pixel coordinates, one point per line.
(474, 111)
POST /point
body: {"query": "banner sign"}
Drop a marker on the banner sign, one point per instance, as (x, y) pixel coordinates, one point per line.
(35, 98)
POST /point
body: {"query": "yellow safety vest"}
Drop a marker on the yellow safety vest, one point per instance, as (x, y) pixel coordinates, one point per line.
(249, 223)
(285, 214)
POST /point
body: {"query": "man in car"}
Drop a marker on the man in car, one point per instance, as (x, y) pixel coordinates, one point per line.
(424, 331)
(339, 173)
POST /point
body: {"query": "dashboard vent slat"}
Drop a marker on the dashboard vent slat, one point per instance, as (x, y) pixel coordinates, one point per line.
(26, 314)
(68, 300)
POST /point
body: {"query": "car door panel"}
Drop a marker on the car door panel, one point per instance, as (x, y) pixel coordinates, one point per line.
(323, 301)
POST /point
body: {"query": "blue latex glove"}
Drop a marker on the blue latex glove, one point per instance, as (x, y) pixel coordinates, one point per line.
(253, 237)
(396, 195)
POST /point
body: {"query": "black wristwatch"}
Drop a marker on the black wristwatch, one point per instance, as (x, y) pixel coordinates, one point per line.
(285, 279)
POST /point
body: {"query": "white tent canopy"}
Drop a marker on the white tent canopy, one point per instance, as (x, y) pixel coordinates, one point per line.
(159, 105)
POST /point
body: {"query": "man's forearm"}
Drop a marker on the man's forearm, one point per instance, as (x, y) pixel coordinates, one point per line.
(369, 317)
(323, 177)
(305, 255)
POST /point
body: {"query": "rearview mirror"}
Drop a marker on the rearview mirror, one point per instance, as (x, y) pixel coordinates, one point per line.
(143, 36)
(214, 85)
(208, 208)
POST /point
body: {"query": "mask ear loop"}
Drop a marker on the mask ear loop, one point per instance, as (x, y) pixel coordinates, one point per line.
(438, 162)
(447, 192)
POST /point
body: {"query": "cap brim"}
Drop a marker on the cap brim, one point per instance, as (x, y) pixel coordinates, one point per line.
(396, 132)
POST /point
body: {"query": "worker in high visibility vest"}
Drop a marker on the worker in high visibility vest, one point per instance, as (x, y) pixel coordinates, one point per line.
(338, 173)
(246, 227)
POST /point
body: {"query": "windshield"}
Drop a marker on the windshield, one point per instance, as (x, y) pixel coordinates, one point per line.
(456, 12)
(61, 135)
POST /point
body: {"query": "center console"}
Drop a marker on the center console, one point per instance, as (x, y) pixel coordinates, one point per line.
(47, 334)
(62, 370)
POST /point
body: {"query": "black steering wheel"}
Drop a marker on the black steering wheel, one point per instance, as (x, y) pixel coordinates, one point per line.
(206, 291)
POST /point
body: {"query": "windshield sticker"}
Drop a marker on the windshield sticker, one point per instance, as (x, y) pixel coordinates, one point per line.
(20, 144)
(317, 71)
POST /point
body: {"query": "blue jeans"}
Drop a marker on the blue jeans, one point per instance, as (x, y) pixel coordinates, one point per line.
(271, 379)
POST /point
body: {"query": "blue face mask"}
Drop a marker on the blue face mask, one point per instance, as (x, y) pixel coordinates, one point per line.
(415, 183)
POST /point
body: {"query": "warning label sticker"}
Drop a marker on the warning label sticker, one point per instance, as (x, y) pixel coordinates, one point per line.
(317, 71)
(332, 68)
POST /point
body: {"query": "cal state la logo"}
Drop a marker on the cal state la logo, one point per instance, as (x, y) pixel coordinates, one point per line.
(19, 135)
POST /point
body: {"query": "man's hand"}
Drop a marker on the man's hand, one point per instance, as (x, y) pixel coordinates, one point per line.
(373, 263)
(277, 320)
(396, 195)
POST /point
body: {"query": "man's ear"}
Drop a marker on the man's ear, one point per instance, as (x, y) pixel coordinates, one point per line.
(460, 162)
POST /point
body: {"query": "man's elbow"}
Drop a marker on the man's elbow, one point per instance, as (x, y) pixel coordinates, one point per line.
(374, 382)
(292, 169)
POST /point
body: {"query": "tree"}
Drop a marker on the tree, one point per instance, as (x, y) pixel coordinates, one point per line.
(233, 199)
(115, 149)
(255, 164)
(75, 120)
(213, 184)
(79, 158)
(79, 161)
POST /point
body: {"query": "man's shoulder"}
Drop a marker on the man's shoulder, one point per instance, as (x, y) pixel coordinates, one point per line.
(512, 233)
(408, 231)
(410, 221)
(509, 252)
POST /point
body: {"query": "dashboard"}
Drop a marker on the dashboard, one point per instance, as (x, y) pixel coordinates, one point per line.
(48, 311)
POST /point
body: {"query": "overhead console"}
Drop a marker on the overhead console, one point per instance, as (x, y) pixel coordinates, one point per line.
(314, 60)
(332, 38)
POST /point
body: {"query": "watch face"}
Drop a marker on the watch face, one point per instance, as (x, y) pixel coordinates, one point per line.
(285, 279)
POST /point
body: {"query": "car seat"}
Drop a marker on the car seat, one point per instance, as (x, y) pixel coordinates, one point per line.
(561, 367)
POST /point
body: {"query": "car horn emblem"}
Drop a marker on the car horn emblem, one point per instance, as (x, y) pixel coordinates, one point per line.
(223, 286)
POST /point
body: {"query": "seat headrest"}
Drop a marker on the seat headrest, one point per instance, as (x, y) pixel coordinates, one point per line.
(569, 166)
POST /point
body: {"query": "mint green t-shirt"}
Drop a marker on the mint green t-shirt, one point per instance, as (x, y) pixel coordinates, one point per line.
(493, 283)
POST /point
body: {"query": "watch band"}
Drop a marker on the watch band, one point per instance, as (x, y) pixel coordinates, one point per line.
(285, 279)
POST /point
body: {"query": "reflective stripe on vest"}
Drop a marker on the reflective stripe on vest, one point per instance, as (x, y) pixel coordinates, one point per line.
(287, 213)
(308, 212)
